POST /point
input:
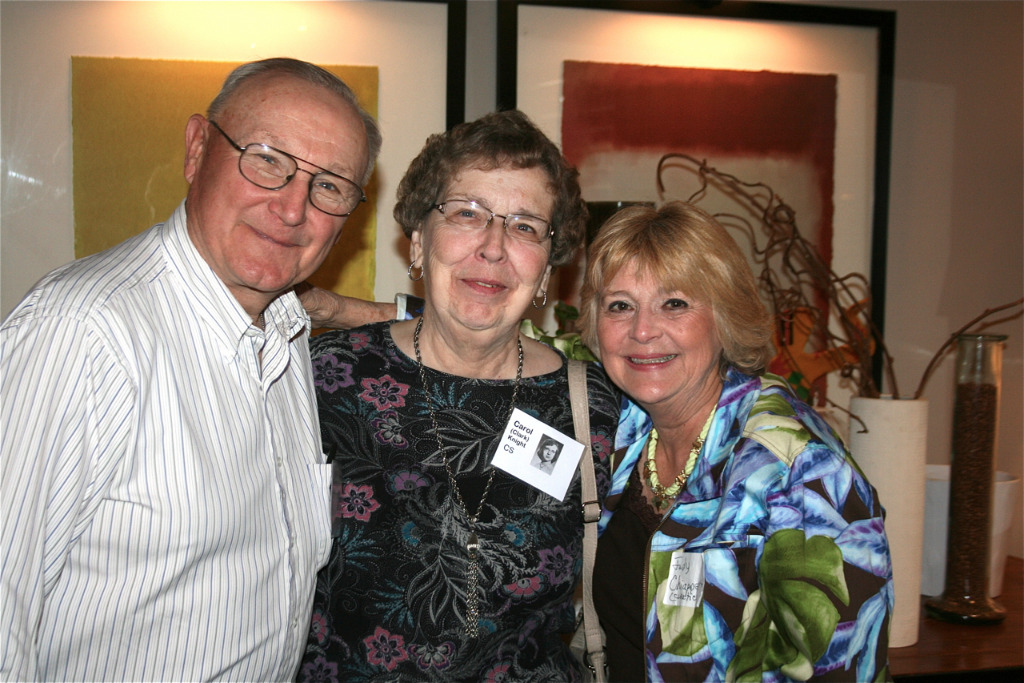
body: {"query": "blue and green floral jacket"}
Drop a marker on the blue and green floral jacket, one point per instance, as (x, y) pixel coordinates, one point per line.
(796, 574)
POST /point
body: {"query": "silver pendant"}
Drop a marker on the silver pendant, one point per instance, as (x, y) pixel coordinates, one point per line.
(472, 583)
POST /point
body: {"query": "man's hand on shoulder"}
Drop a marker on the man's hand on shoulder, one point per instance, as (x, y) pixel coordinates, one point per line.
(334, 311)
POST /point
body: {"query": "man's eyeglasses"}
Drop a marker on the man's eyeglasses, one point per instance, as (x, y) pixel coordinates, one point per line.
(272, 169)
(475, 216)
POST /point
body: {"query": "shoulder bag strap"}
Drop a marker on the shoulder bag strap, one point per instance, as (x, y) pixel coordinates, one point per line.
(591, 515)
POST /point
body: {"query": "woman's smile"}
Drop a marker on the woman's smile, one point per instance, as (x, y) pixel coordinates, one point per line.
(651, 360)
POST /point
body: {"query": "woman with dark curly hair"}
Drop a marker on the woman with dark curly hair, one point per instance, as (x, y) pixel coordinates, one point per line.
(443, 566)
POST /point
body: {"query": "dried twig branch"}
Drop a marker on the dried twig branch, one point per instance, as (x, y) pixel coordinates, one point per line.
(794, 276)
(933, 364)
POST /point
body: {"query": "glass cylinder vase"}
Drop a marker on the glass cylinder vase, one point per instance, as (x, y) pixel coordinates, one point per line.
(965, 599)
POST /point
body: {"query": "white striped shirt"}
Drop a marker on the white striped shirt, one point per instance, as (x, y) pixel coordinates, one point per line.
(165, 498)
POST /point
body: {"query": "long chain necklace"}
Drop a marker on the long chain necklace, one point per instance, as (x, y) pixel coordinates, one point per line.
(664, 494)
(473, 544)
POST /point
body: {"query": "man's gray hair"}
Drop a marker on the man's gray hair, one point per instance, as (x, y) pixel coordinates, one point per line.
(310, 73)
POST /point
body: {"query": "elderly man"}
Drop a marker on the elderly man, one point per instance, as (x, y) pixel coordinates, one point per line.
(165, 499)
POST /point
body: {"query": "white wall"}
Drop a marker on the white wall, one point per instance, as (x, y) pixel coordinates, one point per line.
(956, 218)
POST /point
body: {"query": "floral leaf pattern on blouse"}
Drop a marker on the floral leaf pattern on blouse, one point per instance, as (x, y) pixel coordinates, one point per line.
(391, 601)
(797, 572)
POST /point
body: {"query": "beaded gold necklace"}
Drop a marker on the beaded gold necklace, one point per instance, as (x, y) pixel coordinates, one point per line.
(665, 494)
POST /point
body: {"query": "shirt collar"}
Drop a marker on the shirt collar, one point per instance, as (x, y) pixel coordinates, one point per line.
(210, 297)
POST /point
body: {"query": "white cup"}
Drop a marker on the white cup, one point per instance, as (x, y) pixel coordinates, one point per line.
(936, 523)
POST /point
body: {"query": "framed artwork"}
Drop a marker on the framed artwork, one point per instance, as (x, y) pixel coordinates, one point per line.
(410, 53)
(796, 97)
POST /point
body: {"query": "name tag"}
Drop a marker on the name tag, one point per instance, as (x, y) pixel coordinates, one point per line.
(685, 580)
(538, 454)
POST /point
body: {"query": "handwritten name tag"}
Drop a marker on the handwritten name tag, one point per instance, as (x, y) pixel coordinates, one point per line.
(685, 580)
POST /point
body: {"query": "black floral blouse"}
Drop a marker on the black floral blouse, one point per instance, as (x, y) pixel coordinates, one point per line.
(391, 604)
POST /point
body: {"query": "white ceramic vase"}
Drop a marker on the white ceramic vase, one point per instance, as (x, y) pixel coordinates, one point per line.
(892, 453)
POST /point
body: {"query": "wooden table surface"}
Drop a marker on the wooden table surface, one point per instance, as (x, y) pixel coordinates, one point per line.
(944, 648)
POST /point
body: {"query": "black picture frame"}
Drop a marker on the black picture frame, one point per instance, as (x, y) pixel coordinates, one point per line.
(455, 86)
(882, 22)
